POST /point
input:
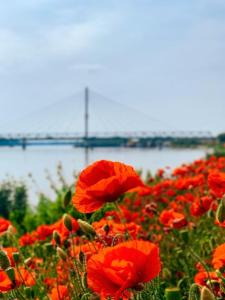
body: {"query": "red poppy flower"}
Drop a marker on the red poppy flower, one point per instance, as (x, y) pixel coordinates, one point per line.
(104, 181)
(43, 231)
(27, 239)
(218, 260)
(21, 277)
(203, 277)
(5, 282)
(25, 277)
(60, 292)
(172, 219)
(4, 224)
(216, 182)
(206, 278)
(115, 269)
(200, 206)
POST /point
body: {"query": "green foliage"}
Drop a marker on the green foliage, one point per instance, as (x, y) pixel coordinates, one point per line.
(99, 214)
(14, 202)
(14, 206)
(221, 138)
(46, 212)
(153, 290)
(5, 199)
(219, 150)
(19, 206)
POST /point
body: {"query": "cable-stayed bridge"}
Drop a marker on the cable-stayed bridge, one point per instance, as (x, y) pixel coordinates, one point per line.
(89, 119)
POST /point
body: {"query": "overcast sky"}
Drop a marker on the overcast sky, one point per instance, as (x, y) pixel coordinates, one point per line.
(163, 57)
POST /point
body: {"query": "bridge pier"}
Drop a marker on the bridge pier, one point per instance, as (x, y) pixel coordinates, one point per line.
(24, 143)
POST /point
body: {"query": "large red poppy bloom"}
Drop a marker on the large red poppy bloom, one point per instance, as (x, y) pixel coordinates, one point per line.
(115, 269)
(104, 181)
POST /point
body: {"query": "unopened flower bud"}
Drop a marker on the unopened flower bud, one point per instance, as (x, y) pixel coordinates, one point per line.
(106, 228)
(206, 294)
(86, 227)
(61, 253)
(212, 283)
(94, 297)
(84, 280)
(4, 260)
(67, 198)
(56, 237)
(10, 230)
(172, 294)
(139, 287)
(82, 257)
(151, 208)
(66, 244)
(68, 222)
(28, 292)
(28, 261)
(11, 274)
(16, 257)
(220, 213)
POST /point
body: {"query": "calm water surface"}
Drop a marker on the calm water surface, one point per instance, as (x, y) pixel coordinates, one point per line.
(18, 164)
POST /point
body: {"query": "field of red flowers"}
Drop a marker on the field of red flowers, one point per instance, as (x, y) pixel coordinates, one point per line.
(123, 238)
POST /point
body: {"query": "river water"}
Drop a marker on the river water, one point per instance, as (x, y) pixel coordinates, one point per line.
(40, 161)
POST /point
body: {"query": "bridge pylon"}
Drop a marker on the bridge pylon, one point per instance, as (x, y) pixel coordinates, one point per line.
(86, 115)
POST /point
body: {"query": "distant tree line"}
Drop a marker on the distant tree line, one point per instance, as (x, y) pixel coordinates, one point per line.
(221, 138)
(16, 207)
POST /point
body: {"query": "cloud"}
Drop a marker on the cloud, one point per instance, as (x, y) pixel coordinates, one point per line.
(89, 67)
(71, 39)
(50, 42)
(29, 3)
(12, 46)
